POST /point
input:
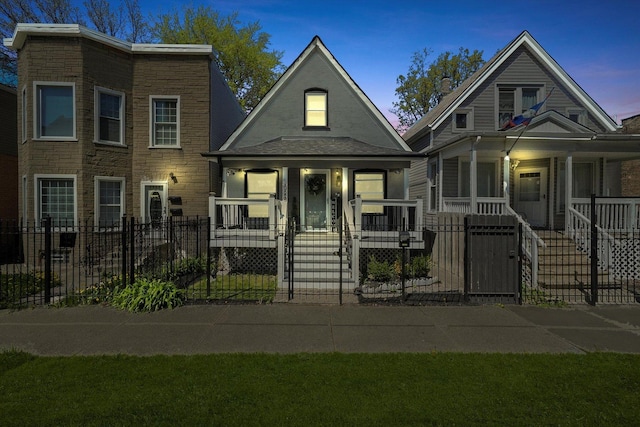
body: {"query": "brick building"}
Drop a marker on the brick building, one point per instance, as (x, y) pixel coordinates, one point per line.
(108, 128)
(8, 154)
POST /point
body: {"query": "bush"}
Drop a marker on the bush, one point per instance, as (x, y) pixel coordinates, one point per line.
(15, 286)
(148, 295)
(378, 271)
(100, 293)
(421, 266)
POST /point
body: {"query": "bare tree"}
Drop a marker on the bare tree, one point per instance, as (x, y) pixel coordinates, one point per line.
(103, 17)
(139, 28)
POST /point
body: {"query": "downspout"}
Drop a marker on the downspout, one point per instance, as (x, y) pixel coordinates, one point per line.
(473, 176)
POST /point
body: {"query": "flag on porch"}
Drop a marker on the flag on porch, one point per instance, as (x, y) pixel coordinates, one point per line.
(524, 118)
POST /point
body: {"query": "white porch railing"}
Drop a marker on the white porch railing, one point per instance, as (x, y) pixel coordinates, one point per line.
(614, 214)
(579, 230)
(386, 215)
(485, 205)
(531, 243)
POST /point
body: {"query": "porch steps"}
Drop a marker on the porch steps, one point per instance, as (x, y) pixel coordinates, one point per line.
(562, 265)
(316, 260)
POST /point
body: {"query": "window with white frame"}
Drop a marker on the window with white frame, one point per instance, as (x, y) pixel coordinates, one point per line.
(55, 107)
(463, 120)
(109, 195)
(577, 115)
(513, 101)
(56, 198)
(165, 121)
(487, 178)
(315, 104)
(25, 199)
(109, 120)
(24, 114)
(260, 185)
(432, 183)
(370, 186)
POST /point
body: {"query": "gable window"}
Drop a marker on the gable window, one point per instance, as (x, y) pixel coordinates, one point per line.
(370, 186)
(109, 121)
(165, 122)
(513, 101)
(24, 114)
(577, 115)
(109, 194)
(55, 107)
(315, 106)
(487, 179)
(463, 120)
(56, 198)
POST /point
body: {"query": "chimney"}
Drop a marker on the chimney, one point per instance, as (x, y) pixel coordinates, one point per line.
(445, 86)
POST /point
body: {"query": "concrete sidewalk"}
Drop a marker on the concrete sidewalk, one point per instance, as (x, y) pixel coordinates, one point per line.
(289, 328)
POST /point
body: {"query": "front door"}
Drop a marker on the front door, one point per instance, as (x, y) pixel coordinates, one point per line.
(315, 199)
(531, 200)
(154, 203)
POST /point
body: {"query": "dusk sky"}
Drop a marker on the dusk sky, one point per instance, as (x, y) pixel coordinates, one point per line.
(597, 42)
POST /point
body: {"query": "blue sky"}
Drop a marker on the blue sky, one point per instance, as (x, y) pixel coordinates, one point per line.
(596, 42)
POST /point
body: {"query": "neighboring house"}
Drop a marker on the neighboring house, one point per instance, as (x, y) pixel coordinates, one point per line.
(8, 154)
(543, 171)
(108, 128)
(315, 152)
(631, 169)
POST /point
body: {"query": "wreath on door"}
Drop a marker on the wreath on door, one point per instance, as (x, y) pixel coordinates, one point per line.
(314, 184)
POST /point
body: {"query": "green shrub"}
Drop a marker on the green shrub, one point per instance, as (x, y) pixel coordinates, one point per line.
(380, 271)
(148, 295)
(100, 293)
(421, 266)
(15, 286)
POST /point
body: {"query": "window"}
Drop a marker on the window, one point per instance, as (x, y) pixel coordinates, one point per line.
(370, 186)
(25, 199)
(577, 115)
(55, 111)
(260, 185)
(487, 179)
(432, 175)
(56, 198)
(165, 122)
(109, 195)
(583, 185)
(463, 120)
(315, 108)
(109, 121)
(513, 101)
(24, 114)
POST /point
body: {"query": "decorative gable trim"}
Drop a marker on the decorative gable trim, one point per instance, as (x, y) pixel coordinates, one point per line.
(315, 45)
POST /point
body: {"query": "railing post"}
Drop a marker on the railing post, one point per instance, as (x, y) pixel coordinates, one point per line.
(594, 252)
(47, 260)
(209, 257)
(132, 249)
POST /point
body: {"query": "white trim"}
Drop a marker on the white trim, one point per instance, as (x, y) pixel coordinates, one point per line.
(25, 198)
(37, 113)
(96, 196)
(97, 91)
(316, 43)
(143, 200)
(469, 111)
(303, 191)
(152, 120)
(36, 194)
(74, 30)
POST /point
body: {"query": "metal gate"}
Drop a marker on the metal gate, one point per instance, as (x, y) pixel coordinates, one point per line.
(492, 258)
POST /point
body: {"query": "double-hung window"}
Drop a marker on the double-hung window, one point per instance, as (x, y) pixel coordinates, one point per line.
(109, 194)
(370, 186)
(109, 120)
(55, 107)
(315, 105)
(513, 101)
(24, 114)
(56, 198)
(165, 121)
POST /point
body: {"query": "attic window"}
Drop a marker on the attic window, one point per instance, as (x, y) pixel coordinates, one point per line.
(463, 120)
(577, 115)
(315, 106)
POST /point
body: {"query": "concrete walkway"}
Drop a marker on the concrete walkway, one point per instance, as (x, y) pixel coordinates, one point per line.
(291, 328)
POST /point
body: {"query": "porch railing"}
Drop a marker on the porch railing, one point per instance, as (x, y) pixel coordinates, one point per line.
(614, 214)
(386, 214)
(233, 215)
(531, 243)
(579, 230)
(485, 205)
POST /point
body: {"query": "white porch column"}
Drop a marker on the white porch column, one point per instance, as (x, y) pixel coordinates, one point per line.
(506, 166)
(439, 175)
(568, 190)
(473, 177)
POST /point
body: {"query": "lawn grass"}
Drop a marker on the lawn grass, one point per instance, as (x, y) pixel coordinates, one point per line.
(321, 389)
(241, 287)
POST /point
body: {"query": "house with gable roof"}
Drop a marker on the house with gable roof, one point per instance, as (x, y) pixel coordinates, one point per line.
(314, 155)
(543, 171)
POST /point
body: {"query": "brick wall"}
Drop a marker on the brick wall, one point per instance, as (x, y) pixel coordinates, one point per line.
(631, 169)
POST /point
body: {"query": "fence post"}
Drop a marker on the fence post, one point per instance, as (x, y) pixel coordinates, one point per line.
(124, 250)
(208, 257)
(594, 252)
(47, 260)
(132, 250)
